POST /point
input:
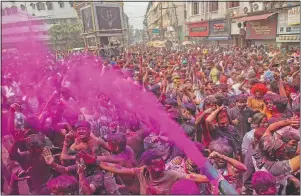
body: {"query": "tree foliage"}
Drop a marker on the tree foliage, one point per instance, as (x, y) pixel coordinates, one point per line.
(66, 36)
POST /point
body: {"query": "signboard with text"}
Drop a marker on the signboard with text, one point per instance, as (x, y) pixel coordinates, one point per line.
(156, 31)
(293, 16)
(219, 28)
(200, 29)
(262, 29)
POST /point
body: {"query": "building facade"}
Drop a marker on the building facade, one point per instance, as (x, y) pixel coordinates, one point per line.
(243, 23)
(20, 19)
(165, 20)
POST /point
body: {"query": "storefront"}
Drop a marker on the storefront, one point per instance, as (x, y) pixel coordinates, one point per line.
(261, 29)
(288, 28)
(219, 32)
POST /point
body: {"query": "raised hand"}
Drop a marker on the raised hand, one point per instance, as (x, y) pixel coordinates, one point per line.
(20, 175)
(49, 159)
(14, 107)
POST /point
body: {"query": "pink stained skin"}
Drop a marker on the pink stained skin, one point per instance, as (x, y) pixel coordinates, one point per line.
(87, 82)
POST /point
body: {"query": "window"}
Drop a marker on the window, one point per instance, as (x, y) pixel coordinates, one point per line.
(33, 5)
(71, 3)
(232, 4)
(61, 4)
(22, 7)
(40, 6)
(2, 12)
(213, 6)
(8, 11)
(14, 9)
(195, 8)
(49, 5)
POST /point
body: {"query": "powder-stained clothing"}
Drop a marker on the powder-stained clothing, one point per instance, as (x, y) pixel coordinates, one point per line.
(159, 186)
(256, 104)
(178, 164)
(243, 125)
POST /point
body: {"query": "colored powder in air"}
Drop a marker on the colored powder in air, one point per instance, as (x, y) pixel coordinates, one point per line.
(83, 72)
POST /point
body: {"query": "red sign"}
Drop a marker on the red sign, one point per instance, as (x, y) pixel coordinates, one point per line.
(262, 29)
(200, 29)
(219, 27)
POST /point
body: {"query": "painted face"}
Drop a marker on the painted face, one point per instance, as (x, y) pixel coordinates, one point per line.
(241, 104)
(210, 106)
(258, 95)
(264, 123)
(270, 105)
(113, 148)
(223, 121)
(220, 163)
(157, 166)
(83, 132)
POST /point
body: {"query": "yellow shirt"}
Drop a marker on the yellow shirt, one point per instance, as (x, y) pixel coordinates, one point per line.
(256, 104)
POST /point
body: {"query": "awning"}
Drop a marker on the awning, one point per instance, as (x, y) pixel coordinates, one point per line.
(257, 17)
(218, 38)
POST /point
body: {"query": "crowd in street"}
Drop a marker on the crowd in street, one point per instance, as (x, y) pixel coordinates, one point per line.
(239, 106)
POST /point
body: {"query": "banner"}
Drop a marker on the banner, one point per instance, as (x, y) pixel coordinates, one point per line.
(262, 29)
(87, 19)
(200, 29)
(294, 16)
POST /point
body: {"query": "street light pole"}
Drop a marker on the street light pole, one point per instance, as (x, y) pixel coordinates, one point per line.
(162, 33)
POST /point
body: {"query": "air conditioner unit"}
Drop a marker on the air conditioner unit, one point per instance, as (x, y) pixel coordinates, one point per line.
(247, 9)
(257, 7)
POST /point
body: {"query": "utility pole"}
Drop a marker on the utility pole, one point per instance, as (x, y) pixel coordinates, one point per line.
(161, 29)
(176, 23)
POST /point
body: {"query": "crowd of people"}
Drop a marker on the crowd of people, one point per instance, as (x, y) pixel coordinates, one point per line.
(239, 106)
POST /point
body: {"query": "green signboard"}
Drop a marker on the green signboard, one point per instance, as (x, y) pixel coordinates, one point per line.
(156, 31)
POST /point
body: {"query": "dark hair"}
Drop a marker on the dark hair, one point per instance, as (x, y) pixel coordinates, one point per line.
(148, 156)
(64, 183)
(262, 180)
(281, 103)
(117, 139)
(241, 97)
(82, 123)
(220, 99)
(274, 87)
(189, 130)
(35, 141)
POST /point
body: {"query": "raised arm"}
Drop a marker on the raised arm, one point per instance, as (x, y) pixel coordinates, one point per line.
(111, 167)
(277, 125)
(235, 163)
(197, 178)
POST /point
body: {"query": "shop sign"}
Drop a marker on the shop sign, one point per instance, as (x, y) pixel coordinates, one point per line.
(262, 29)
(218, 28)
(198, 29)
(293, 16)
